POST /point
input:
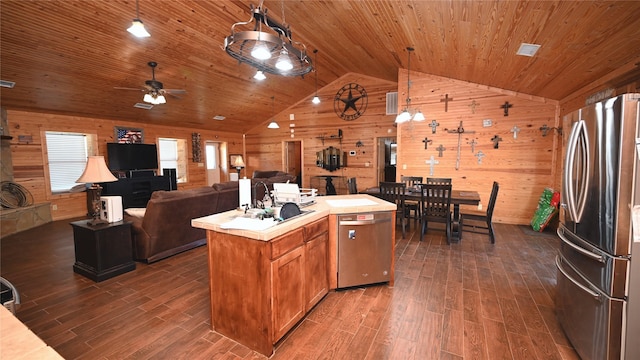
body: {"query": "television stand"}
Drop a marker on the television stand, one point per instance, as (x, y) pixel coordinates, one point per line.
(136, 191)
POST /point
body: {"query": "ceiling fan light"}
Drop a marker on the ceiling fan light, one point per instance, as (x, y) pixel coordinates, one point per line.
(419, 116)
(261, 52)
(404, 116)
(148, 98)
(160, 99)
(273, 125)
(137, 29)
(315, 100)
(259, 75)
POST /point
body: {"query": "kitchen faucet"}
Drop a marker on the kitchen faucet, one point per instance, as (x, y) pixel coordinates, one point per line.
(266, 194)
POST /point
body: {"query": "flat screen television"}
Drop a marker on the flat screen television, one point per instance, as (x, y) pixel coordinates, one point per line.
(127, 157)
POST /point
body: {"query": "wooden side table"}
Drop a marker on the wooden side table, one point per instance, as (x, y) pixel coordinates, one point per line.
(102, 251)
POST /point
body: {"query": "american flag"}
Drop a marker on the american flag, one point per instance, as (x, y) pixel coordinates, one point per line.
(128, 136)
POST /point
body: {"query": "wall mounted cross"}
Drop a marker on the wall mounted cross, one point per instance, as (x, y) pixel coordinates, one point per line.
(496, 141)
(446, 102)
(515, 130)
(473, 106)
(426, 141)
(473, 143)
(506, 107)
(460, 130)
(432, 162)
(434, 124)
(440, 150)
(480, 155)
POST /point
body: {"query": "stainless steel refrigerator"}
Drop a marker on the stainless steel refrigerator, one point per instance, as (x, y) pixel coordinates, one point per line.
(599, 188)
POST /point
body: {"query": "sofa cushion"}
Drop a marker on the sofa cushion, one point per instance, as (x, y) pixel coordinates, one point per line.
(261, 174)
(226, 185)
(136, 212)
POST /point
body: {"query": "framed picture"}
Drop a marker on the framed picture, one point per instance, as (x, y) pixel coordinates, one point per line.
(127, 135)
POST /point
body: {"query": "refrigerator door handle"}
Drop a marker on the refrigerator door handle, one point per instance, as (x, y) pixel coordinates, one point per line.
(583, 141)
(584, 288)
(587, 253)
(570, 203)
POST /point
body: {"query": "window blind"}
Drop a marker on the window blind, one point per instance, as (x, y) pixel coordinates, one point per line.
(168, 153)
(67, 156)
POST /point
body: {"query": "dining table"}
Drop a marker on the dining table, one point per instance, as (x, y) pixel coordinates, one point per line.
(458, 197)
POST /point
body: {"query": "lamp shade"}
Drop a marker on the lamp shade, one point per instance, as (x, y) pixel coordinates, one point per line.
(137, 29)
(238, 162)
(96, 171)
(273, 125)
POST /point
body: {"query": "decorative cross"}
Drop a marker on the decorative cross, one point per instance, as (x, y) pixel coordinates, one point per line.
(446, 102)
(432, 163)
(440, 150)
(426, 141)
(480, 155)
(515, 130)
(460, 130)
(473, 143)
(506, 107)
(473, 106)
(496, 140)
(434, 124)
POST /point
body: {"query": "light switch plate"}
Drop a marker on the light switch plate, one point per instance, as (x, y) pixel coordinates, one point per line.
(487, 123)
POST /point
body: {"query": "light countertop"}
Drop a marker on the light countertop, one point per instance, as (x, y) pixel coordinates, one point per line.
(324, 206)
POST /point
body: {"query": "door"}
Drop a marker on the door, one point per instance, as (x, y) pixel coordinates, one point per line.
(293, 159)
(212, 157)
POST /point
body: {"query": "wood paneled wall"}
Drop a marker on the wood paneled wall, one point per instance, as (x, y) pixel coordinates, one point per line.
(29, 157)
(524, 166)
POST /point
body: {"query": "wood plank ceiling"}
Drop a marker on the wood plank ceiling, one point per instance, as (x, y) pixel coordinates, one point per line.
(67, 56)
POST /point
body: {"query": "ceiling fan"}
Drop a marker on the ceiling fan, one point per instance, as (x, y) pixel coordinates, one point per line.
(154, 89)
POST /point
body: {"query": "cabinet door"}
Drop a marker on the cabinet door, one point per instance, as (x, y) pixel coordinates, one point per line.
(316, 272)
(288, 305)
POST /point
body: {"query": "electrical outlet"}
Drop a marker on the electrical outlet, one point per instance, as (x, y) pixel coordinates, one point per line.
(54, 207)
(480, 206)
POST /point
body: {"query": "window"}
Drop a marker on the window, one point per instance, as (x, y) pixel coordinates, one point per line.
(172, 153)
(67, 156)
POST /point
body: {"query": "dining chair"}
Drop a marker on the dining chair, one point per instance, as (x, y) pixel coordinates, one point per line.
(394, 192)
(413, 206)
(436, 207)
(477, 219)
(352, 186)
(444, 181)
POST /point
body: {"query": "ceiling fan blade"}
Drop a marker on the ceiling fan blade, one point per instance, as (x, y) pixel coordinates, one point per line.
(128, 88)
(175, 91)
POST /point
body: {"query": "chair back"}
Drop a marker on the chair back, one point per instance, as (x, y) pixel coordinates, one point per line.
(436, 200)
(352, 186)
(492, 200)
(443, 181)
(411, 181)
(393, 192)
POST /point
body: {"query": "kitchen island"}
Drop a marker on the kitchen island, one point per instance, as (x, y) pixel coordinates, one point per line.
(262, 282)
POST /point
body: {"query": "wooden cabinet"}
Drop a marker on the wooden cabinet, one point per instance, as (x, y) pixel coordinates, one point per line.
(288, 305)
(261, 289)
(316, 262)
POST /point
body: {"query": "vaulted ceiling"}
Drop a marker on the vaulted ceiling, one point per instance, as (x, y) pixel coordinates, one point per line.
(67, 56)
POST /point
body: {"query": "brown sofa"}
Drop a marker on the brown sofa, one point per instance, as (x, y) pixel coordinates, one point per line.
(164, 227)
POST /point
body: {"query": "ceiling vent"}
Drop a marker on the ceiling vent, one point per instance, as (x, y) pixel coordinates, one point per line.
(143, 106)
(392, 103)
(528, 49)
(7, 84)
(219, 117)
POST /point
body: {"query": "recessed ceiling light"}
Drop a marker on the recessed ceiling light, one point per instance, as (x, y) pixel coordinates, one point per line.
(219, 117)
(528, 49)
(7, 84)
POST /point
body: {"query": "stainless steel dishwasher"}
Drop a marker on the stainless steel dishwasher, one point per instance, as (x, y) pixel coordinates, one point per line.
(364, 248)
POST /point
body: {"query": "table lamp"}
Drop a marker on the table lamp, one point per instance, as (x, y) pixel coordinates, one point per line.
(95, 172)
(238, 163)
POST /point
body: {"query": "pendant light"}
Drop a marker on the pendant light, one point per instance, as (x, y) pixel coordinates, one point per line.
(137, 27)
(316, 99)
(406, 114)
(273, 124)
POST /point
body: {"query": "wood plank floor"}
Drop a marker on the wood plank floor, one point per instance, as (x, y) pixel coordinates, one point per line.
(470, 300)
